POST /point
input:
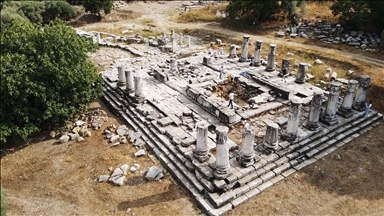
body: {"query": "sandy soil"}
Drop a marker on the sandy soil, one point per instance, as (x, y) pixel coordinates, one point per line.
(47, 178)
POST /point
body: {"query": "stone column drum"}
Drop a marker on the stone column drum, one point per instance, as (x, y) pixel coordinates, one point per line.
(232, 51)
(189, 41)
(247, 156)
(271, 58)
(201, 150)
(346, 107)
(139, 87)
(359, 102)
(293, 120)
(222, 169)
(313, 122)
(284, 67)
(98, 39)
(257, 59)
(129, 78)
(121, 75)
(181, 38)
(244, 49)
(330, 117)
(303, 68)
(271, 139)
(174, 41)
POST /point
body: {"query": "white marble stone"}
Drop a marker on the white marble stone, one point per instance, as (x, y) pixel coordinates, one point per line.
(121, 74)
(271, 58)
(222, 169)
(201, 150)
(359, 102)
(313, 123)
(303, 68)
(271, 138)
(244, 49)
(293, 119)
(257, 59)
(330, 116)
(247, 156)
(346, 107)
(129, 79)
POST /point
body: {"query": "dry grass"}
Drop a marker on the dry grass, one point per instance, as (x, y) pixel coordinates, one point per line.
(318, 11)
(203, 14)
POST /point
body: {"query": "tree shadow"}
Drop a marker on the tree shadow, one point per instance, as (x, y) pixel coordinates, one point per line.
(89, 18)
(136, 180)
(169, 195)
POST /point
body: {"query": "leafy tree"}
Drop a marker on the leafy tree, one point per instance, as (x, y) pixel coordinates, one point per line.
(290, 6)
(258, 9)
(359, 12)
(33, 10)
(45, 76)
(60, 9)
(95, 6)
(4, 206)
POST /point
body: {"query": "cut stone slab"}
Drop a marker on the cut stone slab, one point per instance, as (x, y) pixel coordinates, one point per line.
(64, 139)
(139, 143)
(139, 153)
(124, 168)
(80, 139)
(134, 167)
(154, 174)
(188, 141)
(165, 121)
(115, 144)
(103, 178)
(135, 136)
(114, 138)
(117, 172)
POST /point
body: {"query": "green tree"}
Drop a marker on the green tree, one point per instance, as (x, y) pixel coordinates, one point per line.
(257, 9)
(95, 6)
(358, 13)
(45, 76)
(4, 206)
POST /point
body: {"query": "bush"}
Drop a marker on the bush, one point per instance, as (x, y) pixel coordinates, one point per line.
(4, 205)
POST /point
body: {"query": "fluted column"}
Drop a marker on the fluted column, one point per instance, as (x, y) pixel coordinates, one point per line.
(345, 109)
(330, 117)
(222, 169)
(271, 58)
(257, 59)
(271, 139)
(247, 156)
(121, 75)
(201, 150)
(293, 120)
(129, 79)
(303, 68)
(313, 122)
(359, 102)
(244, 49)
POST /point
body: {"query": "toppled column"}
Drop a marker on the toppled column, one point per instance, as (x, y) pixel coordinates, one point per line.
(271, 58)
(121, 75)
(271, 139)
(173, 65)
(139, 96)
(129, 79)
(201, 150)
(330, 117)
(359, 102)
(345, 109)
(293, 120)
(222, 169)
(303, 68)
(232, 51)
(313, 122)
(244, 49)
(247, 156)
(257, 59)
(284, 67)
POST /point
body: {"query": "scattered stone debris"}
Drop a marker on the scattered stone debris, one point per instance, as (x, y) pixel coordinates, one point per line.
(154, 174)
(134, 167)
(139, 153)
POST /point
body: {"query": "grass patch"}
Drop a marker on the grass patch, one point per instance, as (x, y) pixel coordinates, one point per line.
(149, 22)
(204, 14)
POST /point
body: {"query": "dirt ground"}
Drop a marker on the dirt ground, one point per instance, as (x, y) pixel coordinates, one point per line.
(47, 178)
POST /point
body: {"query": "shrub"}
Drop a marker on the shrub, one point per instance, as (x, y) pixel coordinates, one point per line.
(4, 205)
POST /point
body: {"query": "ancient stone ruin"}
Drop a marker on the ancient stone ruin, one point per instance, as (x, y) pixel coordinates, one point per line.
(173, 101)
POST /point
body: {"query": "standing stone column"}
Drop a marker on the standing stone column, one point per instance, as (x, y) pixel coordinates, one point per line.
(330, 117)
(129, 78)
(271, 139)
(293, 120)
(189, 41)
(244, 49)
(173, 65)
(359, 102)
(346, 107)
(139, 88)
(201, 150)
(284, 67)
(271, 58)
(313, 123)
(247, 156)
(303, 68)
(98, 39)
(174, 42)
(222, 153)
(181, 38)
(232, 51)
(121, 75)
(257, 59)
